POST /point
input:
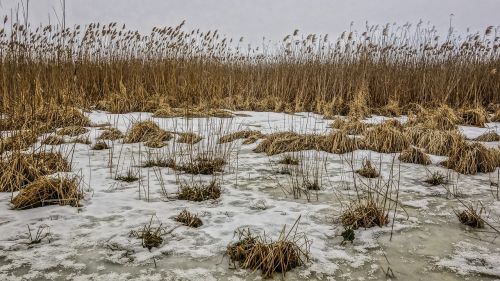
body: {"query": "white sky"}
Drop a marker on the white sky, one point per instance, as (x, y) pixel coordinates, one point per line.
(273, 19)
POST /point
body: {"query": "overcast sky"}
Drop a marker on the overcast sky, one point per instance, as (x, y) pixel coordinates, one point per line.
(273, 19)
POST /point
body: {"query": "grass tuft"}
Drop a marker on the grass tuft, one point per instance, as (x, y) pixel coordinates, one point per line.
(199, 192)
(188, 219)
(48, 191)
(414, 155)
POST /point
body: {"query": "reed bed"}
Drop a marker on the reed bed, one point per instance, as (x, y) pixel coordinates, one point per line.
(47, 72)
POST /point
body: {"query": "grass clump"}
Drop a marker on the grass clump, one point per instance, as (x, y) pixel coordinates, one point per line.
(188, 219)
(473, 117)
(147, 131)
(111, 134)
(201, 164)
(471, 217)
(48, 191)
(414, 155)
(150, 235)
(488, 137)
(443, 118)
(471, 159)
(189, 138)
(439, 142)
(288, 160)
(100, 145)
(72, 131)
(260, 253)
(130, 176)
(391, 109)
(386, 139)
(349, 126)
(338, 142)
(250, 135)
(18, 141)
(367, 170)
(199, 192)
(20, 169)
(496, 116)
(436, 178)
(366, 213)
(198, 112)
(53, 140)
(277, 143)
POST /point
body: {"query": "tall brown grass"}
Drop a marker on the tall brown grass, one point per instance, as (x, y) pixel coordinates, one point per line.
(107, 66)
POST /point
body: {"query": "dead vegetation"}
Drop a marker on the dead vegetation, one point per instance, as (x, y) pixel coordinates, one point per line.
(349, 126)
(20, 169)
(473, 117)
(100, 145)
(111, 134)
(188, 219)
(129, 176)
(148, 132)
(253, 252)
(366, 213)
(53, 140)
(414, 155)
(49, 191)
(189, 138)
(288, 160)
(367, 170)
(439, 142)
(471, 159)
(471, 217)
(277, 143)
(197, 112)
(436, 178)
(199, 192)
(489, 136)
(385, 139)
(72, 131)
(150, 235)
(18, 141)
(250, 136)
(204, 164)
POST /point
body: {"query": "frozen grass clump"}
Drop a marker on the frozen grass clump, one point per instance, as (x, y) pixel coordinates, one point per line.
(439, 142)
(189, 138)
(349, 126)
(53, 140)
(20, 169)
(198, 112)
(436, 178)
(72, 131)
(148, 132)
(288, 160)
(496, 116)
(150, 235)
(49, 191)
(250, 136)
(338, 142)
(442, 118)
(18, 141)
(100, 145)
(471, 217)
(111, 134)
(472, 158)
(365, 213)
(203, 164)
(473, 117)
(414, 155)
(188, 219)
(253, 252)
(199, 192)
(277, 143)
(489, 136)
(367, 170)
(385, 139)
